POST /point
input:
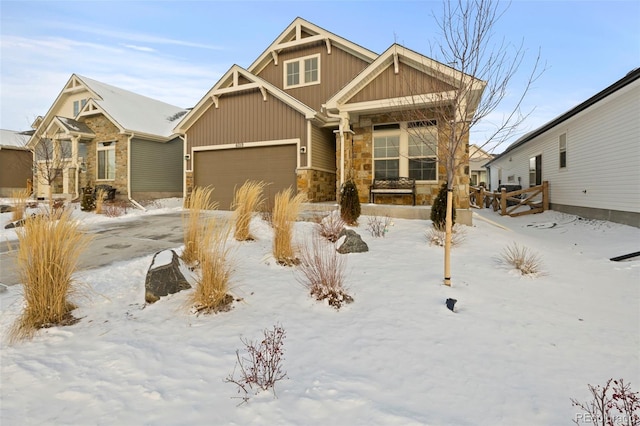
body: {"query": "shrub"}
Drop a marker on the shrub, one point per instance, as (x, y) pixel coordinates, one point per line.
(100, 194)
(522, 259)
(211, 292)
(377, 226)
(48, 254)
(330, 226)
(19, 204)
(349, 203)
(261, 367)
(439, 210)
(88, 203)
(285, 212)
(247, 199)
(437, 236)
(194, 204)
(115, 209)
(611, 405)
(322, 271)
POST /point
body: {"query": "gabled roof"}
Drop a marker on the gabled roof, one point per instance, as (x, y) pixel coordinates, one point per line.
(132, 112)
(301, 32)
(237, 79)
(10, 139)
(129, 111)
(72, 127)
(620, 84)
(392, 57)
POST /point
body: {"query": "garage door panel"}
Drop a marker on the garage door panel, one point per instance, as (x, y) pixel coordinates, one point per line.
(230, 168)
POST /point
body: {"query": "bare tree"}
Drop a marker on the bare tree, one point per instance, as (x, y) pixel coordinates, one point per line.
(474, 75)
(51, 156)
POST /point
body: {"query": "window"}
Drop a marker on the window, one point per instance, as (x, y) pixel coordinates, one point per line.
(106, 160)
(405, 149)
(77, 106)
(562, 147)
(535, 170)
(302, 71)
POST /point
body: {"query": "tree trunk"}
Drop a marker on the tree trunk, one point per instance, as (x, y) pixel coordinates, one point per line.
(447, 239)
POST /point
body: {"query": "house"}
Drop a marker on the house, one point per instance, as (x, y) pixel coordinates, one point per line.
(15, 162)
(314, 110)
(477, 160)
(590, 155)
(95, 133)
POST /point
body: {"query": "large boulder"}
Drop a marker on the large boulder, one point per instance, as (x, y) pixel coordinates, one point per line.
(166, 275)
(352, 242)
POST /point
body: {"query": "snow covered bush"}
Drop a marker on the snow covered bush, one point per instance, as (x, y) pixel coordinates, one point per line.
(612, 404)
(330, 226)
(322, 271)
(436, 236)
(261, 365)
(522, 259)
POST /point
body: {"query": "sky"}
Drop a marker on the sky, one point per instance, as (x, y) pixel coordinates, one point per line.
(176, 51)
(514, 351)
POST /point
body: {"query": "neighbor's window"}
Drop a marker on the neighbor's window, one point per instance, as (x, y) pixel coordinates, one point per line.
(302, 71)
(405, 150)
(535, 170)
(77, 106)
(562, 145)
(107, 161)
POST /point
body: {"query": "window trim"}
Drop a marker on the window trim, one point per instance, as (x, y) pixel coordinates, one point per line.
(105, 146)
(301, 72)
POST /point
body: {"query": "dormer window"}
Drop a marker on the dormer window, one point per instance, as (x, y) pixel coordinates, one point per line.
(302, 71)
(78, 105)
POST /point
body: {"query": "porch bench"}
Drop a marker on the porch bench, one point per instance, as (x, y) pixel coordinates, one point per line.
(392, 186)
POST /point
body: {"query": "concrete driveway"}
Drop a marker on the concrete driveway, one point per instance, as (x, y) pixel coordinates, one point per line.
(112, 242)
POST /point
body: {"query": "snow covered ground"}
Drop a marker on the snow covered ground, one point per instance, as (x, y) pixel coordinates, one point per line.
(514, 352)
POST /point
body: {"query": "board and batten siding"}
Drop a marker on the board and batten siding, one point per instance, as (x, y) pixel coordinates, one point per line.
(603, 156)
(336, 70)
(245, 117)
(156, 167)
(323, 149)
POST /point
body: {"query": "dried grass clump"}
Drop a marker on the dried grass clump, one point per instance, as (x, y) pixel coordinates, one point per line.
(436, 236)
(198, 200)
(20, 197)
(522, 259)
(100, 193)
(211, 292)
(330, 226)
(285, 212)
(247, 199)
(378, 226)
(115, 209)
(48, 255)
(322, 271)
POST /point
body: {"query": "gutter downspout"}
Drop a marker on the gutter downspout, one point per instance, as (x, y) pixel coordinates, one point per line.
(131, 200)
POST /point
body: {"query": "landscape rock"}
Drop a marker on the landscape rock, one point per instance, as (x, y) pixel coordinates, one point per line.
(16, 224)
(352, 242)
(166, 275)
(5, 208)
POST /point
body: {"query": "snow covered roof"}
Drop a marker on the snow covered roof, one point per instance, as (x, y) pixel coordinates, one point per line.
(134, 112)
(13, 139)
(74, 126)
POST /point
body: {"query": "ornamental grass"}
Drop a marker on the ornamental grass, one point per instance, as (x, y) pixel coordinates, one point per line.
(247, 199)
(198, 201)
(285, 212)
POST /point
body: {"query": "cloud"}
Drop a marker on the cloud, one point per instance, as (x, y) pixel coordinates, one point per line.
(140, 48)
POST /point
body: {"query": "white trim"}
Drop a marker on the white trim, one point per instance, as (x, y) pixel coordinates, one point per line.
(309, 143)
(320, 169)
(295, 141)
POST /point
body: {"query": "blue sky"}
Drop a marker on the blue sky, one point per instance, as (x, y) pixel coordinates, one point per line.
(176, 51)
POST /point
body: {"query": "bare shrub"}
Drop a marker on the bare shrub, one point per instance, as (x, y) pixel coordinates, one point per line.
(247, 199)
(19, 204)
(211, 292)
(436, 236)
(378, 226)
(100, 194)
(115, 209)
(330, 226)
(198, 201)
(322, 271)
(48, 254)
(285, 212)
(612, 404)
(522, 259)
(261, 366)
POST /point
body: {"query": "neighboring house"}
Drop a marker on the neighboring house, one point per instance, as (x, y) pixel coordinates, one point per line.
(477, 170)
(315, 109)
(590, 156)
(16, 167)
(95, 134)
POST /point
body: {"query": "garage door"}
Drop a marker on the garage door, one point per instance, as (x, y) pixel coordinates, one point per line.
(227, 169)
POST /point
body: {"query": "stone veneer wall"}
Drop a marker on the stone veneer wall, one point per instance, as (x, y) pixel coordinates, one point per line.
(105, 131)
(317, 184)
(359, 166)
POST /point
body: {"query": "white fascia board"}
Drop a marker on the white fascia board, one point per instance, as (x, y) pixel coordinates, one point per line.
(426, 100)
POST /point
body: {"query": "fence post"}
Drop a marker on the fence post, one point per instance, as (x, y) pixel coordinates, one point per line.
(480, 202)
(545, 196)
(503, 202)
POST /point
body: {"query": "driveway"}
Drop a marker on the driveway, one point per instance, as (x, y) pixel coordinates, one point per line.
(112, 242)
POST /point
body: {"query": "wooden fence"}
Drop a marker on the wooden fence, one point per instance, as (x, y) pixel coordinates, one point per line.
(515, 203)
